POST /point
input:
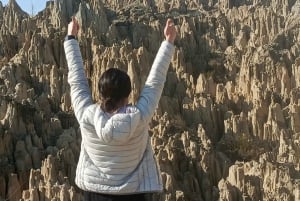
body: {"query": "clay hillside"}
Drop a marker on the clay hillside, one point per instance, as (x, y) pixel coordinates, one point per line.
(228, 124)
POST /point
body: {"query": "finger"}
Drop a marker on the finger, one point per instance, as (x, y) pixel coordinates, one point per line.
(169, 22)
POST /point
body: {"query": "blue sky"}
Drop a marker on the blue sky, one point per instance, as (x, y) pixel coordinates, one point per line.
(26, 5)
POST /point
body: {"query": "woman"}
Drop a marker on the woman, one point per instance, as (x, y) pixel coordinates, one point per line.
(116, 160)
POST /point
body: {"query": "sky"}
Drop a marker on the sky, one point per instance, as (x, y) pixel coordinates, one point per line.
(27, 5)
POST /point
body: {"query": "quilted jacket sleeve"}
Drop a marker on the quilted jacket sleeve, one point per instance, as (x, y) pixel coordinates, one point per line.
(149, 98)
(80, 91)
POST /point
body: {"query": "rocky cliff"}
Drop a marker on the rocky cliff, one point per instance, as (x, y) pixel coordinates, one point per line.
(228, 124)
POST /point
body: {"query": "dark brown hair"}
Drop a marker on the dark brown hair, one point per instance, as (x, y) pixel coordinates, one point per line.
(114, 86)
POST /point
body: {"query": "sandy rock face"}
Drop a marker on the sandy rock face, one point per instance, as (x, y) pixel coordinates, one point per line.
(227, 125)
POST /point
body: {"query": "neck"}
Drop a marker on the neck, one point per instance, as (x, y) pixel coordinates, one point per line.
(113, 111)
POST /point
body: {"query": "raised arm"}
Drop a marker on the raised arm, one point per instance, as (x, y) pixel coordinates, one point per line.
(80, 91)
(153, 88)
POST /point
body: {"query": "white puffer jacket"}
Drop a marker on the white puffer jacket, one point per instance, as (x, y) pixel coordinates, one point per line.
(116, 156)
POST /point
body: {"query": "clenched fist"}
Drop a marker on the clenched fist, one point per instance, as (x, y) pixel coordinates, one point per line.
(170, 31)
(73, 27)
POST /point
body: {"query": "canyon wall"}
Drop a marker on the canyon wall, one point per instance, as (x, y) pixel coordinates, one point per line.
(228, 124)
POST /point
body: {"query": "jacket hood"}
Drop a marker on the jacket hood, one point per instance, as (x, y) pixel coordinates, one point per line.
(119, 128)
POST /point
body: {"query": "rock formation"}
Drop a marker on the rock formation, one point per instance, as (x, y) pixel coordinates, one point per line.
(227, 125)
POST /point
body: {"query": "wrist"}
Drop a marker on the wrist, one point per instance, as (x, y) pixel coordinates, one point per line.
(70, 37)
(170, 41)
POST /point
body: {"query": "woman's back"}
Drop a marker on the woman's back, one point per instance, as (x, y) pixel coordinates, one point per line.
(116, 156)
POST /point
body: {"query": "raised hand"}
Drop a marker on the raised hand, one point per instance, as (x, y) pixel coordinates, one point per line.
(170, 31)
(73, 27)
